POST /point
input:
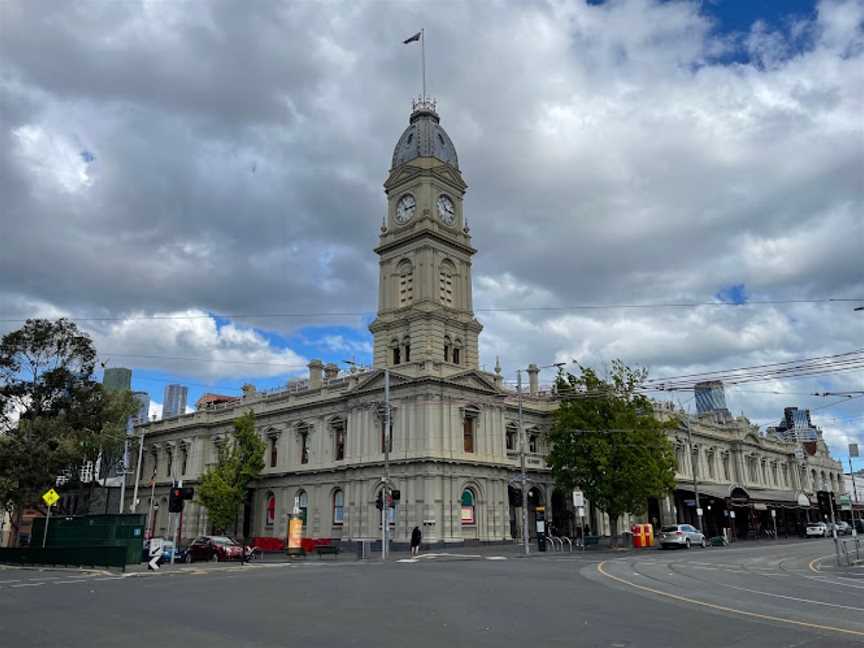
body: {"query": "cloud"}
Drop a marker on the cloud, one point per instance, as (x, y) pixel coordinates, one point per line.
(216, 159)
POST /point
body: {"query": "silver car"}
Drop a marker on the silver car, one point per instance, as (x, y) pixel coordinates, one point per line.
(681, 535)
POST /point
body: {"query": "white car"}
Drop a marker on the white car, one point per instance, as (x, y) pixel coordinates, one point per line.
(817, 530)
(681, 535)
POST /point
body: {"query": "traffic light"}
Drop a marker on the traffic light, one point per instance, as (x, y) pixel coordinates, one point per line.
(379, 501)
(175, 500)
(395, 495)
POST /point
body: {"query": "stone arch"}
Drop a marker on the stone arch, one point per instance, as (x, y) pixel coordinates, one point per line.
(405, 278)
(447, 279)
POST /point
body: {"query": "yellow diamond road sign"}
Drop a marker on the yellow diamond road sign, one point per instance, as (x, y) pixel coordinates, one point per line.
(50, 497)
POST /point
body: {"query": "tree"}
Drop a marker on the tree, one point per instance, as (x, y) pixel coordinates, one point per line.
(223, 487)
(53, 415)
(606, 441)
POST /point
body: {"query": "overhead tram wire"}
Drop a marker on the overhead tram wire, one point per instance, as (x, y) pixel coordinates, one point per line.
(490, 309)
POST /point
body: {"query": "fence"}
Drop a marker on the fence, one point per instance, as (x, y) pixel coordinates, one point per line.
(100, 556)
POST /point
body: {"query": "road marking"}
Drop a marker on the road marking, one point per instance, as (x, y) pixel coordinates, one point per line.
(723, 608)
(107, 578)
(816, 562)
(406, 560)
(29, 585)
(496, 557)
(71, 580)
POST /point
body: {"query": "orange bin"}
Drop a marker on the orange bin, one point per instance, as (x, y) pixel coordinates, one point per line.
(643, 535)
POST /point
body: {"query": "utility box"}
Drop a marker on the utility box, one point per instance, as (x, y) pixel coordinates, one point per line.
(110, 530)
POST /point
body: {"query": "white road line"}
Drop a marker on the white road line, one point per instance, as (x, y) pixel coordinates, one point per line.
(71, 580)
(29, 585)
(107, 578)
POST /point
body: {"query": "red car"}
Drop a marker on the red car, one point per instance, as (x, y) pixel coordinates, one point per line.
(213, 548)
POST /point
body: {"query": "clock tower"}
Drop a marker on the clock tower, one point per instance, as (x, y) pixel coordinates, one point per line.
(425, 316)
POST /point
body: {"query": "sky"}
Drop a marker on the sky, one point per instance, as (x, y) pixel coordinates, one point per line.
(199, 183)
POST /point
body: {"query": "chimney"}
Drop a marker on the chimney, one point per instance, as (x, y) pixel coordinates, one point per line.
(316, 369)
(533, 379)
(331, 371)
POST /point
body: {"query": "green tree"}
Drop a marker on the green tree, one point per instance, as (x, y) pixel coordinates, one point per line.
(53, 415)
(223, 487)
(606, 441)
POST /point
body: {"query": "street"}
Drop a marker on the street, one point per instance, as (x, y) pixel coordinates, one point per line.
(785, 594)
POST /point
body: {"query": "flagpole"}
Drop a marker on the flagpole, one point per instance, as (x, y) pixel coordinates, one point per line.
(423, 56)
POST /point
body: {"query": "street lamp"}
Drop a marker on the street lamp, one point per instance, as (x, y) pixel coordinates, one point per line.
(523, 477)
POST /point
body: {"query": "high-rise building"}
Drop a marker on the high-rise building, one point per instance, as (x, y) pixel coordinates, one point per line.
(174, 403)
(796, 426)
(143, 413)
(117, 378)
(710, 396)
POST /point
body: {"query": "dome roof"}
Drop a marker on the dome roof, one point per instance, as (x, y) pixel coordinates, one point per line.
(424, 137)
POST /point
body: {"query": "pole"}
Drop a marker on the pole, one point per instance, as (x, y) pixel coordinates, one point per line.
(524, 476)
(134, 505)
(423, 56)
(385, 496)
(151, 518)
(47, 520)
(854, 497)
(125, 471)
(694, 461)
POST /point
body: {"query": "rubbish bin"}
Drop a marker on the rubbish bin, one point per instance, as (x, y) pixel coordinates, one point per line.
(638, 536)
(649, 534)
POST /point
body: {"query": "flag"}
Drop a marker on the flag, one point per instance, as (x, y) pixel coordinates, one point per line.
(415, 37)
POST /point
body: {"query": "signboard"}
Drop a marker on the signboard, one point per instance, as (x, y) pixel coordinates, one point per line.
(50, 497)
(578, 499)
(773, 513)
(699, 512)
(853, 450)
(295, 533)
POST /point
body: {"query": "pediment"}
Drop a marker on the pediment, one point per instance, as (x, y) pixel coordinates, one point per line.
(375, 380)
(402, 174)
(448, 175)
(475, 380)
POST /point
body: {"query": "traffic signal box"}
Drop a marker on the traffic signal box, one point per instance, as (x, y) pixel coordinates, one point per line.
(177, 496)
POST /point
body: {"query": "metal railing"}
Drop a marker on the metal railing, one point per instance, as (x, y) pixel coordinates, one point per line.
(851, 551)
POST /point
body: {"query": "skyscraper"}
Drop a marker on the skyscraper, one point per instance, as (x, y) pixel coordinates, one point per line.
(117, 378)
(143, 413)
(174, 403)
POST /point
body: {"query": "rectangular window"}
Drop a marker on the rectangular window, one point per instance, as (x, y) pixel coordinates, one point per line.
(456, 354)
(340, 442)
(338, 507)
(185, 460)
(304, 448)
(274, 452)
(406, 289)
(532, 442)
(711, 465)
(468, 434)
(170, 466)
(396, 356)
(510, 438)
(445, 288)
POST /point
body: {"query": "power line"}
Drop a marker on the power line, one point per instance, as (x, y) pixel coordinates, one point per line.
(489, 309)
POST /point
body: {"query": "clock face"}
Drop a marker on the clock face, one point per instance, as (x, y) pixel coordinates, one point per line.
(446, 210)
(405, 209)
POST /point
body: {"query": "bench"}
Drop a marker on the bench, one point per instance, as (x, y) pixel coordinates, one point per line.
(323, 549)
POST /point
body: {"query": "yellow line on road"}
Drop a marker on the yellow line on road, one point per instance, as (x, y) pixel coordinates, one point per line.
(816, 562)
(723, 608)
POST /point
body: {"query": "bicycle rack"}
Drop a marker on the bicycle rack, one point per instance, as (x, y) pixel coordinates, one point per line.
(569, 542)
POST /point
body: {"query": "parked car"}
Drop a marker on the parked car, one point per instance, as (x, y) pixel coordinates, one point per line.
(681, 535)
(843, 528)
(213, 548)
(816, 530)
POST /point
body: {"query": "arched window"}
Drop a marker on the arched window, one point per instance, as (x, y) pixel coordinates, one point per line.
(510, 436)
(468, 507)
(406, 349)
(446, 273)
(338, 506)
(274, 450)
(301, 503)
(397, 355)
(406, 283)
(270, 509)
(457, 351)
(448, 346)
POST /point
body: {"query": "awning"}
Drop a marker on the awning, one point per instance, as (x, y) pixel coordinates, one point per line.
(707, 490)
(785, 498)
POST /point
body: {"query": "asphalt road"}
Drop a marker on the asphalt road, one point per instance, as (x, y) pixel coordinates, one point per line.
(741, 596)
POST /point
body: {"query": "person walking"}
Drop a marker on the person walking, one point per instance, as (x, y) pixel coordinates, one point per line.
(416, 540)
